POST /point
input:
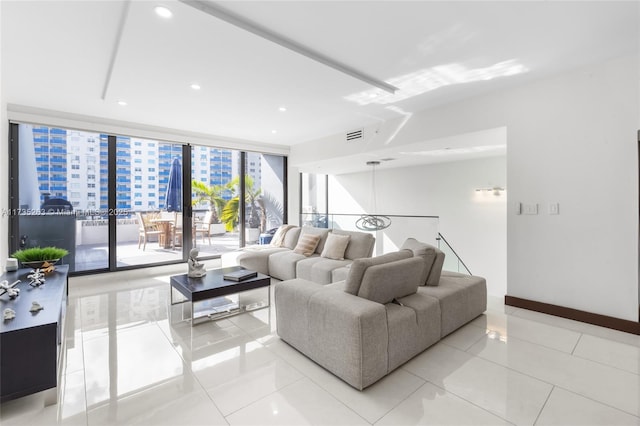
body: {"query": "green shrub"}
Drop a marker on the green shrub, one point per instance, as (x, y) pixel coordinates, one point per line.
(37, 253)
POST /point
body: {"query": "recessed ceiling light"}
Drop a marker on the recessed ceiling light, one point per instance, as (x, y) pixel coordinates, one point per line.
(122, 103)
(274, 131)
(195, 86)
(163, 12)
(282, 109)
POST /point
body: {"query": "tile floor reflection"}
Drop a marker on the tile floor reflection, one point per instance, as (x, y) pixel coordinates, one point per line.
(128, 362)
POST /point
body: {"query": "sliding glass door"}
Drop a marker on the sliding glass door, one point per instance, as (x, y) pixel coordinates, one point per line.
(148, 201)
(123, 202)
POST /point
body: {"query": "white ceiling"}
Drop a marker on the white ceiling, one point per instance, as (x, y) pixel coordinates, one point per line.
(57, 55)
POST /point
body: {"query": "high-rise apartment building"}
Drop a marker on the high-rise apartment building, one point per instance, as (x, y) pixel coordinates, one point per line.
(72, 165)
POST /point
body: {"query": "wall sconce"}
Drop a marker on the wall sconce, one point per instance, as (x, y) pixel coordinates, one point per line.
(496, 190)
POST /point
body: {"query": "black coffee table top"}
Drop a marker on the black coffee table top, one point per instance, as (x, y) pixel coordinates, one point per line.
(214, 285)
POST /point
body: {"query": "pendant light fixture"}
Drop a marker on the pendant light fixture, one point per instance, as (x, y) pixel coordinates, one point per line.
(373, 222)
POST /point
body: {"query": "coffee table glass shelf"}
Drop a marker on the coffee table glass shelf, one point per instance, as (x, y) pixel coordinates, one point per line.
(212, 297)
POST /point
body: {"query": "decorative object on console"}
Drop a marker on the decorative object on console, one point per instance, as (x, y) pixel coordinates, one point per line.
(12, 264)
(10, 289)
(9, 314)
(36, 307)
(373, 222)
(37, 257)
(196, 269)
(36, 278)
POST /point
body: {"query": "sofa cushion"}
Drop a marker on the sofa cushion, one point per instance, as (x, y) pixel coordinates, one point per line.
(335, 246)
(388, 281)
(359, 266)
(360, 244)
(425, 251)
(318, 269)
(432, 256)
(436, 270)
(307, 244)
(256, 258)
(291, 238)
(278, 237)
(461, 297)
(282, 265)
(340, 274)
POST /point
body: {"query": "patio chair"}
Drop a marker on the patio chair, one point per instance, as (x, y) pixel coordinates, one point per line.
(176, 230)
(203, 227)
(145, 231)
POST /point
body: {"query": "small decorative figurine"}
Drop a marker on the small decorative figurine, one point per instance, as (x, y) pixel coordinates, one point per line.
(36, 278)
(36, 307)
(47, 268)
(196, 269)
(10, 289)
(9, 314)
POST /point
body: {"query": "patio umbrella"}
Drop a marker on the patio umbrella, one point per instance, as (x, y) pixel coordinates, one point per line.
(173, 197)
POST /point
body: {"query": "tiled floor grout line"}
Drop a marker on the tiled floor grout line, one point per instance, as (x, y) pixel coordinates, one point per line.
(469, 402)
(556, 384)
(259, 399)
(314, 382)
(596, 401)
(577, 343)
(544, 404)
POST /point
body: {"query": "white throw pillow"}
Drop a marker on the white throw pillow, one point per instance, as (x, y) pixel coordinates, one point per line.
(335, 246)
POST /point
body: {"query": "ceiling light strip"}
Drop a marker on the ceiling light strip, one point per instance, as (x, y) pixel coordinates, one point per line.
(116, 47)
(213, 10)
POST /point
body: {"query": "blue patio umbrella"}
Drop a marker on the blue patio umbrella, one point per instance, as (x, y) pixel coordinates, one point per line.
(173, 197)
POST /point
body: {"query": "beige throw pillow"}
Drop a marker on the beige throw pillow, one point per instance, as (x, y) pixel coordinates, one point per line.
(307, 244)
(278, 237)
(335, 246)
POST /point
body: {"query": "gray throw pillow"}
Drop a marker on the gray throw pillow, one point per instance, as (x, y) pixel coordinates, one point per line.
(389, 281)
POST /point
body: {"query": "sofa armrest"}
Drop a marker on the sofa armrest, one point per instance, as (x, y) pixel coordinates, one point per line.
(344, 333)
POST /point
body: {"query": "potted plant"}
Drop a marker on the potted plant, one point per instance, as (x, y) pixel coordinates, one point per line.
(35, 257)
(212, 195)
(253, 201)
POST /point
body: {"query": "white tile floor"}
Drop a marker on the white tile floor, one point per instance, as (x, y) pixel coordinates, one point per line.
(127, 363)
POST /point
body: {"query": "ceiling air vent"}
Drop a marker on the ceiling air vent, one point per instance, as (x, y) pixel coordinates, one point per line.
(355, 135)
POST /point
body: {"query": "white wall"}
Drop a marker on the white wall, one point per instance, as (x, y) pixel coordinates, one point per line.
(473, 223)
(572, 140)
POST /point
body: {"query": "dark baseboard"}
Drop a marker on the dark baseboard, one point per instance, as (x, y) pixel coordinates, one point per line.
(575, 314)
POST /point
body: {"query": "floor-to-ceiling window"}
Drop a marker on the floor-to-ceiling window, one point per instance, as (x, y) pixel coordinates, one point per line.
(264, 196)
(313, 200)
(120, 201)
(214, 172)
(149, 201)
(62, 193)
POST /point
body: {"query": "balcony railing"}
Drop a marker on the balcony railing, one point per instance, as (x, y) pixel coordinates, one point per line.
(401, 227)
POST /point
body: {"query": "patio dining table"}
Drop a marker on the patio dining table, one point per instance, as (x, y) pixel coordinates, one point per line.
(164, 225)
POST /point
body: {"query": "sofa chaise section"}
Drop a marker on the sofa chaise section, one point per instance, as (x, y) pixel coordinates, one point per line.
(389, 309)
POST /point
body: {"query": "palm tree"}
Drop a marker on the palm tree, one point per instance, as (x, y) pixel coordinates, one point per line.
(211, 194)
(253, 199)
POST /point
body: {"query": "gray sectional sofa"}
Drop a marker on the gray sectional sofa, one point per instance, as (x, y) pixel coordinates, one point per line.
(283, 263)
(389, 309)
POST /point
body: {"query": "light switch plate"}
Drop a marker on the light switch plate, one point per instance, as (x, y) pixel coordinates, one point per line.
(517, 208)
(554, 208)
(530, 209)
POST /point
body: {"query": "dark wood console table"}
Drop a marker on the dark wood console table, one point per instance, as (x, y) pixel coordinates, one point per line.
(32, 345)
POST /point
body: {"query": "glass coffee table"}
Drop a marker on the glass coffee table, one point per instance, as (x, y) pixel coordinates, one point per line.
(212, 297)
